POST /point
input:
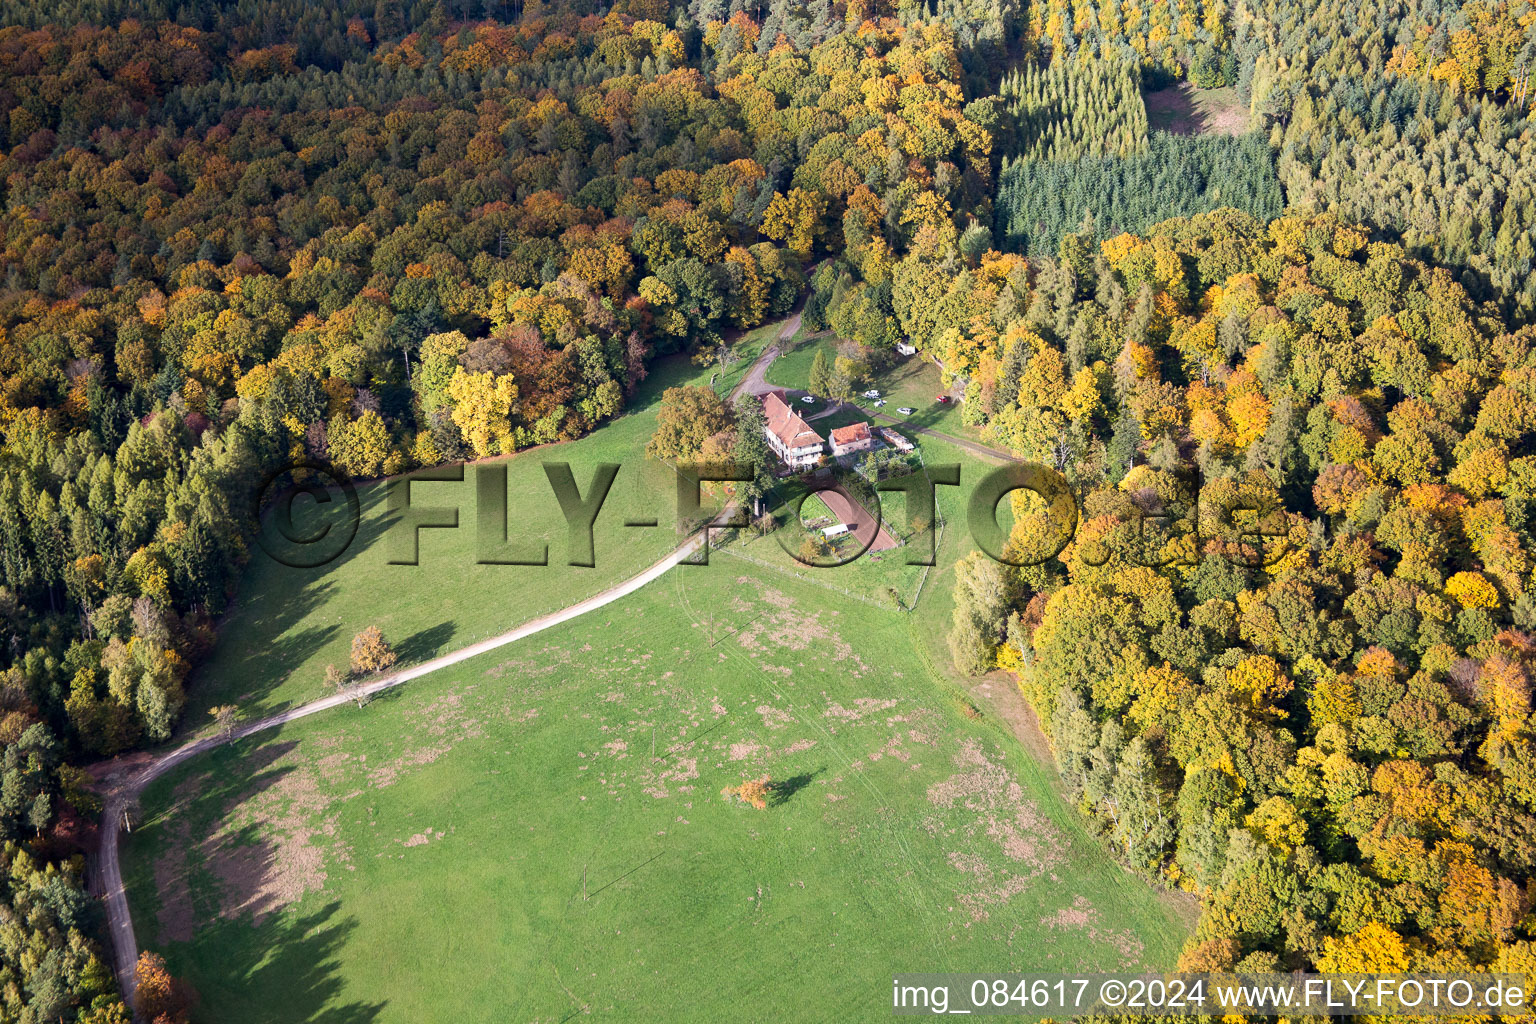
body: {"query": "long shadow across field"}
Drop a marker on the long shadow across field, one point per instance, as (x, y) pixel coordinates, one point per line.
(307, 589)
(298, 973)
(780, 793)
(290, 964)
(276, 637)
(426, 644)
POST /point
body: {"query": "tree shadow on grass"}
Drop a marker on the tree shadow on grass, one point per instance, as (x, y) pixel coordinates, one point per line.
(425, 643)
(264, 650)
(206, 868)
(259, 646)
(1172, 110)
(287, 966)
(780, 793)
(247, 950)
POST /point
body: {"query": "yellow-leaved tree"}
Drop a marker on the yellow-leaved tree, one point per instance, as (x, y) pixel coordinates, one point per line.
(795, 219)
(482, 409)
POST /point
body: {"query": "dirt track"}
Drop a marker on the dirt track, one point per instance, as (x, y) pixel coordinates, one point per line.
(755, 382)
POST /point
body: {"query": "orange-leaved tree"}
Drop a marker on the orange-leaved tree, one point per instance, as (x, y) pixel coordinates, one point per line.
(752, 791)
(371, 652)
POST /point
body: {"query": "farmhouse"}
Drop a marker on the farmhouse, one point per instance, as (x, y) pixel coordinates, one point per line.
(790, 437)
(856, 437)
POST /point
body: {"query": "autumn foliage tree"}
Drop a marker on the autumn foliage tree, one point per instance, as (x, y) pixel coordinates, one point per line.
(690, 416)
(753, 792)
(160, 998)
(371, 652)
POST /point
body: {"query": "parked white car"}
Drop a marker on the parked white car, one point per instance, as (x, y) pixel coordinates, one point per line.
(879, 402)
(906, 410)
(807, 399)
(871, 393)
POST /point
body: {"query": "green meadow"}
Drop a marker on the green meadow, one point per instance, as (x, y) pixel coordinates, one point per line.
(540, 833)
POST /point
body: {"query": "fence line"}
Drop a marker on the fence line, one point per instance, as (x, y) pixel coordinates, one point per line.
(938, 544)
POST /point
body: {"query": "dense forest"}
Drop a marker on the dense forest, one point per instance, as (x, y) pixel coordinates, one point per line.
(401, 232)
(1286, 660)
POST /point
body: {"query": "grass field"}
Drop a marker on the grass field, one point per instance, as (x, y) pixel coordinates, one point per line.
(289, 623)
(745, 350)
(913, 382)
(1185, 110)
(539, 833)
(793, 367)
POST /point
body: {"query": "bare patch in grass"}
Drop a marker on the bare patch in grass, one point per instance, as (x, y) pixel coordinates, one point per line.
(421, 838)
(774, 718)
(998, 811)
(788, 627)
(679, 773)
(1083, 916)
(862, 708)
(272, 847)
(419, 757)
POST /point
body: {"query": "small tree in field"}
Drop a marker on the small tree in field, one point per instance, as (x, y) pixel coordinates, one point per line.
(766, 524)
(371, 652)
(344, 684)
(225, 716)
(753, 791)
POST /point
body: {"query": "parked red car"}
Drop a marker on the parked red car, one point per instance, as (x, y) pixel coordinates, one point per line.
(942, 399)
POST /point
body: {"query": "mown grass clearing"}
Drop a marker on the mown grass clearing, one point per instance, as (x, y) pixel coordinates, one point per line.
(1185, 110)
(540, 832)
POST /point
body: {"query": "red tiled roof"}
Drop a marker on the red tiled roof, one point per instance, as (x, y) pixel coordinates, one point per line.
(851, 433)
(786, 424)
